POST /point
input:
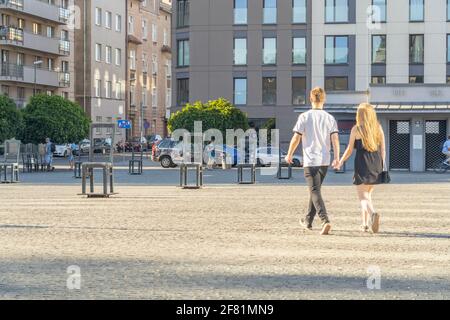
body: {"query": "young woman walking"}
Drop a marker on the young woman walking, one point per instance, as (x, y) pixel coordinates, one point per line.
(367, 137)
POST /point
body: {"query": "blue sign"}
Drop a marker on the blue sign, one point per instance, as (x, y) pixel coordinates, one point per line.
(124, 124)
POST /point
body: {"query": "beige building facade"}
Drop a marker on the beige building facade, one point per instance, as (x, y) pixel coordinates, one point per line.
(36, 44)
(148, 66)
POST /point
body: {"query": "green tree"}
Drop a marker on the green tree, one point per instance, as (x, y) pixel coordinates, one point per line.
(216, 114)
(11, 121)
(56, 118)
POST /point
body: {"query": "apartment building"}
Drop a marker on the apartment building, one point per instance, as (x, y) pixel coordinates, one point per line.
(149, 66)
(265, 56)
(36, 49)
(100, 62)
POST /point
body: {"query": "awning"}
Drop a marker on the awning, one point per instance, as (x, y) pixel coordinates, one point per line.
(385, 108)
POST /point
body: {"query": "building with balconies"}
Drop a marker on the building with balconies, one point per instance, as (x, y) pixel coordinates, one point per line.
(100, 62)
(36, 49)
(148, 66)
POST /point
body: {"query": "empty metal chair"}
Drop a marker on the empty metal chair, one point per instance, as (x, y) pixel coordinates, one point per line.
(136, 164)
(247, 167)
(185, 168)
(10, 161)
(101, 157)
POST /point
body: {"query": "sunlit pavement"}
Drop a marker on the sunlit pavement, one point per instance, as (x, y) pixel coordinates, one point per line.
(155, 241)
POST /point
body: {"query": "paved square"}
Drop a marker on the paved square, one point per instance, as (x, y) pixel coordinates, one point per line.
(222, 242)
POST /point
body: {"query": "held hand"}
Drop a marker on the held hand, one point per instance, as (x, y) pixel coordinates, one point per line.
(289, 159)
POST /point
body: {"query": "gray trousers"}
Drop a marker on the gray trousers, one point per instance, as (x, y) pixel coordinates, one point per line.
(314, 177)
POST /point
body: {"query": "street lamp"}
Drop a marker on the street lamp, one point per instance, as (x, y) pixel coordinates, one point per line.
(36, 64)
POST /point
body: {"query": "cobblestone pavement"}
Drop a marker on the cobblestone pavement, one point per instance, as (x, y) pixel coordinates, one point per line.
(225, 241)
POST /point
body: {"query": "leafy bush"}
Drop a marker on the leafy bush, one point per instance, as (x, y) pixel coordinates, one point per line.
(11, 121)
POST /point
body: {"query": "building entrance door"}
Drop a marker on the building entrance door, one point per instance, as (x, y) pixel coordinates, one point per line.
(400, 144)
(435, 136)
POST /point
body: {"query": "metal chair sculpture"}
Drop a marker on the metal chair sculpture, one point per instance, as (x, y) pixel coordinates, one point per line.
(41, 164)
(29, 159)
(282, 165)
(79, 160)
(185, 168)
(10, 161)
(244, 167)
(135, 165)
(88, 168)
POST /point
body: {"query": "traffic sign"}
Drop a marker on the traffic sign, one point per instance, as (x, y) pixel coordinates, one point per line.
(124, 124)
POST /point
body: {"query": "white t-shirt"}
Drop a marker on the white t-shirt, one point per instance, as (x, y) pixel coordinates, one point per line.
(316, 127)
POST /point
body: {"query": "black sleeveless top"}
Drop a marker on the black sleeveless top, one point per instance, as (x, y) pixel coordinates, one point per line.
(368, 165)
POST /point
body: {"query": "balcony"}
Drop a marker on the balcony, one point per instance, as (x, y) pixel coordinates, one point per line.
(37, 8)
(12, 36)
(25, 74)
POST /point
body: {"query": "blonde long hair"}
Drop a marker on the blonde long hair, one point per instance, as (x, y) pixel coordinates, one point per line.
(368, 127)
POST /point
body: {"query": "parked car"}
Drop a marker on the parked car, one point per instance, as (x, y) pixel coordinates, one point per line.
(61, 150)
(268, 156)
(164, 151)
(232, 152)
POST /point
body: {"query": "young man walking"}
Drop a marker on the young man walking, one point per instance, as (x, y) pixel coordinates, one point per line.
(317, 130)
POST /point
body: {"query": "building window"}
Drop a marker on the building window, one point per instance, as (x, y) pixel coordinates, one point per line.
(299, 50)
(270, 12)
(37, 28)
(154, 33)
(182, 92)
(298, 91)
(130, 25)
(132, 59)
(379, 11)
(118, 23)
(416, 49)
(240, 11)
(336, 11)
(98, 16)
(269, 91)
(118, 91)
(378, 80)
(336, 49)
(336, 83)
(182, 13)
(448, 48)
(269, 50)
(183, 53)
(108, 55)
(118, 57)
(240, 91)
(98, 52)
(448, 10)
(379, 49)
(416, 10)
(98, 88)
(240, 51)
(415, 79)
(98, 120)
(299, 11)
(108, 89)
(144, 29)
(108, 20)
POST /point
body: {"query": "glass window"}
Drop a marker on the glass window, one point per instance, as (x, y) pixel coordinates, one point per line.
(379, 49)
(336, 83)
(448, 10)
(183, 53)
(98, 52)
(240, 51)
(378, 80)
(416, 10)
(240, 11)
(336, 11)
(298, 90)
(269, 86)
(336, 49)
(98, 16)
(270, 51)
(379, 13)
(240, 91)
(118, 23)
(299, 50)
(416, 48)
(182, 91)
(299, 11)
(415, 79)
(270, 12)
(183, 13)
(448, 48)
